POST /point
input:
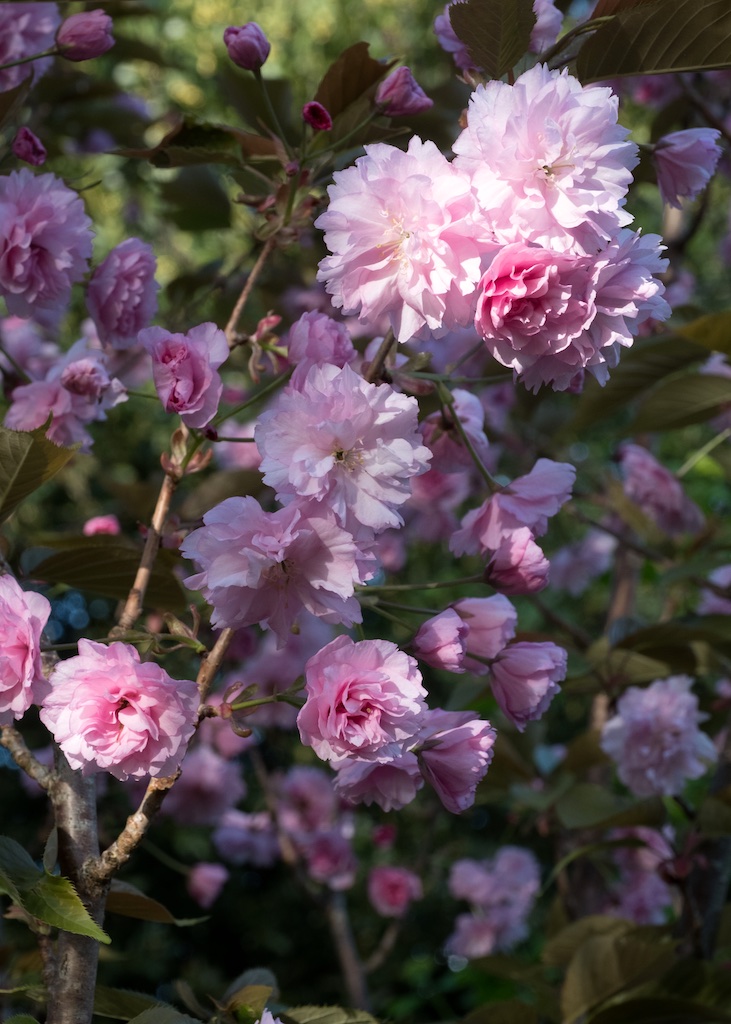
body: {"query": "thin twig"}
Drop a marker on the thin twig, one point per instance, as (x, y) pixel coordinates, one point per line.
(13, 742)
(376, 367)
(231, 326)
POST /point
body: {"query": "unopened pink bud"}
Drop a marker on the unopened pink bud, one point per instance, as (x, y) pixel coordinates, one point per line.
(27, 146)
(85, 35)
(247, 45)
(317, 117)
(518, 566)
(400, 95)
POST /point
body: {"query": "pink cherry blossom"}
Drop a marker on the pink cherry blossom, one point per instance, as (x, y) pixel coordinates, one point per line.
(247, 838)
(184, 368)
(392, 889)
(390, 784)
(440, 641)
(548, 160)
(658, 492)
(85, 35)
(400, 95)
(247, 45)
(122, 293)
(26, 29)
(491, 623)
(28, 147)
(317, 338)
(45, 243)
(654, 739)
(330, 859)
(574, 566)
(306, 800)
(23, 617)
(684, 162)
(547, 27)
(404, 241)
(268, 567)
(364, 700)
(209, 786)
(455, 749)
(524, 679)
(101, 524)
(518, 565)
(450, 41)
(712, 603)
(108, 711)
(205, 882)
(348, 445)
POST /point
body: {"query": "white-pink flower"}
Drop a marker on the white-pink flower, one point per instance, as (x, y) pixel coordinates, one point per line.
(185, 370)
(108, 711)
(392, 889)
(122, 293)
(349, 446)
(364, 700)
(524, 678)
(654, 739)
(404, 240)
(23, 616)
(45, 243)
(268, 567)
(548, 160)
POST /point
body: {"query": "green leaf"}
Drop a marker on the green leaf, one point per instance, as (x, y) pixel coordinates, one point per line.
(588, 805)
(560, 950)
(667, 35)
(326, 1015)
(249, 1002)
(20, 1018)
(163, 1015)
(658, 1010)
(714, 817)
(107, 565)
(50, 850)
(510, 1012)
(54, 900)
(121, 1004)
(212, 208)
(606, 7)
(680, 401)
(128, 901)
(27, 460)
(712, 331)
(18, 870)
(192, 142)
(495, 32)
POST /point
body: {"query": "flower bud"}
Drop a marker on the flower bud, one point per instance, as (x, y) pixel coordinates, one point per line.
(518, 566)
(317, 117)
(247, 45)
(400, 95)
(27, 146)
(85, 35)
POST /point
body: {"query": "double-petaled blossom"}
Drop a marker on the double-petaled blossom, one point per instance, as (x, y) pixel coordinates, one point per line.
(26, 29)
(317, 338)
(364, 700)
(185, 370)
(345, 445)
(390, 784)
(549, 162)
(122, 293)
(491, 623)
(440, 641)
(108, 711)
(455, 749)
(392, 889)
(23, 616)
(654, 739)
(404, 239)
(518, 565)
(658, 492)
(269, 567)
(400, 95)
(45, 243)
(684, 162)
(524, 679)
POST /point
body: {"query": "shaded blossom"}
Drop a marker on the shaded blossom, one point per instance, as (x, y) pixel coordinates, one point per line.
(185, 370)
(122, 293)
(23, 616)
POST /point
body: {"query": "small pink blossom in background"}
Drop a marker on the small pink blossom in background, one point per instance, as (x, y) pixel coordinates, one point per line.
(440, 641)
(348, 445)
(491, 623)
(23, 617)
(658, 492)
(640, 894)
(26, 29)
(654, 739)
(247, 838)
(205, 882)
(548, 161)
(684, 162)
(108, 711)
(518, 565)
(391, 784)
(185, 370)
(317, 338)
(400, 95)
(45, 243)
(247, 45)
(524, 679)
(450, 41)
(23, 341)
(28, 147)
(404, 241)
(317, 116)
(102, 524)
(268, 1018)
(268, 567)
(85, 35)
(364, 700)
(548, 25)
(575, 566)
(449, 452)
(529, 500)
(430, 514)
(306, 800)
(122, 293)
(392, 889)
(474, 936)
(714, 604)
(329, 859)
(209, 786)
(455, 749)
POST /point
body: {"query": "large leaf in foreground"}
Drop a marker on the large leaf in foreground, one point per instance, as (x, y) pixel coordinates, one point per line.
(495, 32)
(27, 460)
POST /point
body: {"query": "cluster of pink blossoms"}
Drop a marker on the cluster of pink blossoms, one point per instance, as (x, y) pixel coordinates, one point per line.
(524, 233)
